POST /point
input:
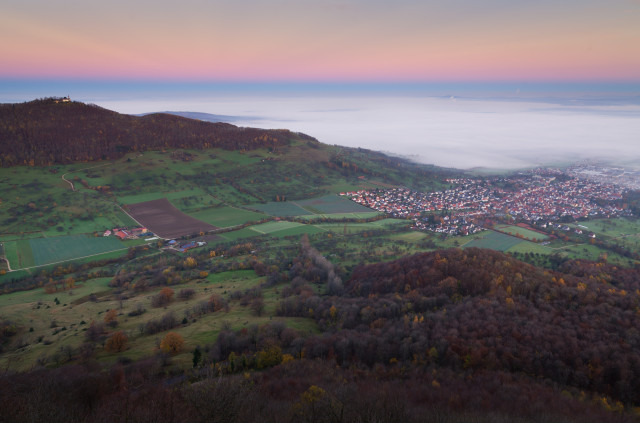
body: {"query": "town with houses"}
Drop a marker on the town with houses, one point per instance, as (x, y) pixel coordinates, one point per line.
(540, 197)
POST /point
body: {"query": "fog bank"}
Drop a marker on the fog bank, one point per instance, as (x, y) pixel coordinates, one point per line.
(453, 132)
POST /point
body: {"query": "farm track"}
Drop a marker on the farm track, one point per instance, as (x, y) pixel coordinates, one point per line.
(73, 188)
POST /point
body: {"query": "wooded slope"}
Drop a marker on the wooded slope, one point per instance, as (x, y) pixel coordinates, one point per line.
(46, 132)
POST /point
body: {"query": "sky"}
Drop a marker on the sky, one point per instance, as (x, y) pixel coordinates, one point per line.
(329, 40)
(461, 83)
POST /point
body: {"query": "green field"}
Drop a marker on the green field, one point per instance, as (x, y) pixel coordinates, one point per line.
(236, 235)
(332, 203)
(524, 232)
(171, 196)
(411, 236)
(330, 206)
(224, 217)
(270, 227)
(610, 227)
(19, 254)
(595, 253)
(284, 209)
(529, 247)
(495, 241)
(278, 229)
(341, 216)
(40, 251)
(297, 231)
(351, 228)
(11, 252)
(127, 221)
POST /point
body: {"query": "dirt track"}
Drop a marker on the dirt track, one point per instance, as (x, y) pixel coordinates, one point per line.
(166, 221)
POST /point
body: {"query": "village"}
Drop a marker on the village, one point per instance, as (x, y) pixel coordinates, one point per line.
(539, 197)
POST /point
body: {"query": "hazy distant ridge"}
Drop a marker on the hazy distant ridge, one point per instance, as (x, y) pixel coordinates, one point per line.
(207, 117)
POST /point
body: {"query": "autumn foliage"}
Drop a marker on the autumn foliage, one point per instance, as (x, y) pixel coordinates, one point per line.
(162, 298)
(116, 342)
(172, 343)
(111, 317)
(481, 310)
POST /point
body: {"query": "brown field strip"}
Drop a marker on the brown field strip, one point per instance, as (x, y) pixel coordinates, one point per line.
(166, 221)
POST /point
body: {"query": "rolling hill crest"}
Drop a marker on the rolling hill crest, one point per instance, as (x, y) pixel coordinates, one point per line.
(55, 131)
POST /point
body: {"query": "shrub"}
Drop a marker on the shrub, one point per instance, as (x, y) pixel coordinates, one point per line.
(163, 298)
(116, 342)
(172, 343)
(186, 293)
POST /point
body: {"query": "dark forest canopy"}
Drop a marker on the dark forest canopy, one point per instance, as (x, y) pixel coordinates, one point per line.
(477, 309)
(53, 131)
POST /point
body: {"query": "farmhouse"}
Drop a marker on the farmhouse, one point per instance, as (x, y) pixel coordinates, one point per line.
(121, 233)
(128, 233)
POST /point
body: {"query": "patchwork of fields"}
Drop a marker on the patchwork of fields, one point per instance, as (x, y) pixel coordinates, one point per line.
(326, 206)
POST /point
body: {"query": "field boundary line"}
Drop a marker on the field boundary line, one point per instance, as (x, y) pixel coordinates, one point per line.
(303, 208)
(134, 219)
(71, 259)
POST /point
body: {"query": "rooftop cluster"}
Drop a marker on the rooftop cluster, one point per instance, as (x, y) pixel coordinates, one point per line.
(536, 196)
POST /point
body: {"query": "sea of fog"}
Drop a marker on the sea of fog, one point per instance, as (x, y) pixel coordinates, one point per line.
(452, 128)
(452, 132)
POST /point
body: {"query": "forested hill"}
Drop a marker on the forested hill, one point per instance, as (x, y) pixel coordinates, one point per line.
(480, 310)
(52, 131)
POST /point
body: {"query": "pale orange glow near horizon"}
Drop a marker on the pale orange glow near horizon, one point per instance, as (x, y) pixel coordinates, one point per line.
(307, 40)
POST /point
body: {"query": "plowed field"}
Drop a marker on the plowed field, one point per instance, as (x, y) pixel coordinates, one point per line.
(166, 221)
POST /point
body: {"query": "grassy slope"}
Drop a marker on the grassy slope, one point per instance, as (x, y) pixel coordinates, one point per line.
(37, 309)
(37, 202)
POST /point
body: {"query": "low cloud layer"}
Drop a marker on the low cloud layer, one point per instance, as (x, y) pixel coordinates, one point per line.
(446, 131)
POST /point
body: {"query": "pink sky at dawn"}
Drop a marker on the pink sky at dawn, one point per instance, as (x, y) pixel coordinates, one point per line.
(286, 40)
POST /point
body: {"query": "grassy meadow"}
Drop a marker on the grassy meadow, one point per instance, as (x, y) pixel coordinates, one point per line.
(52, 322)
(495, 241)
(227, 216)
(521, 232)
